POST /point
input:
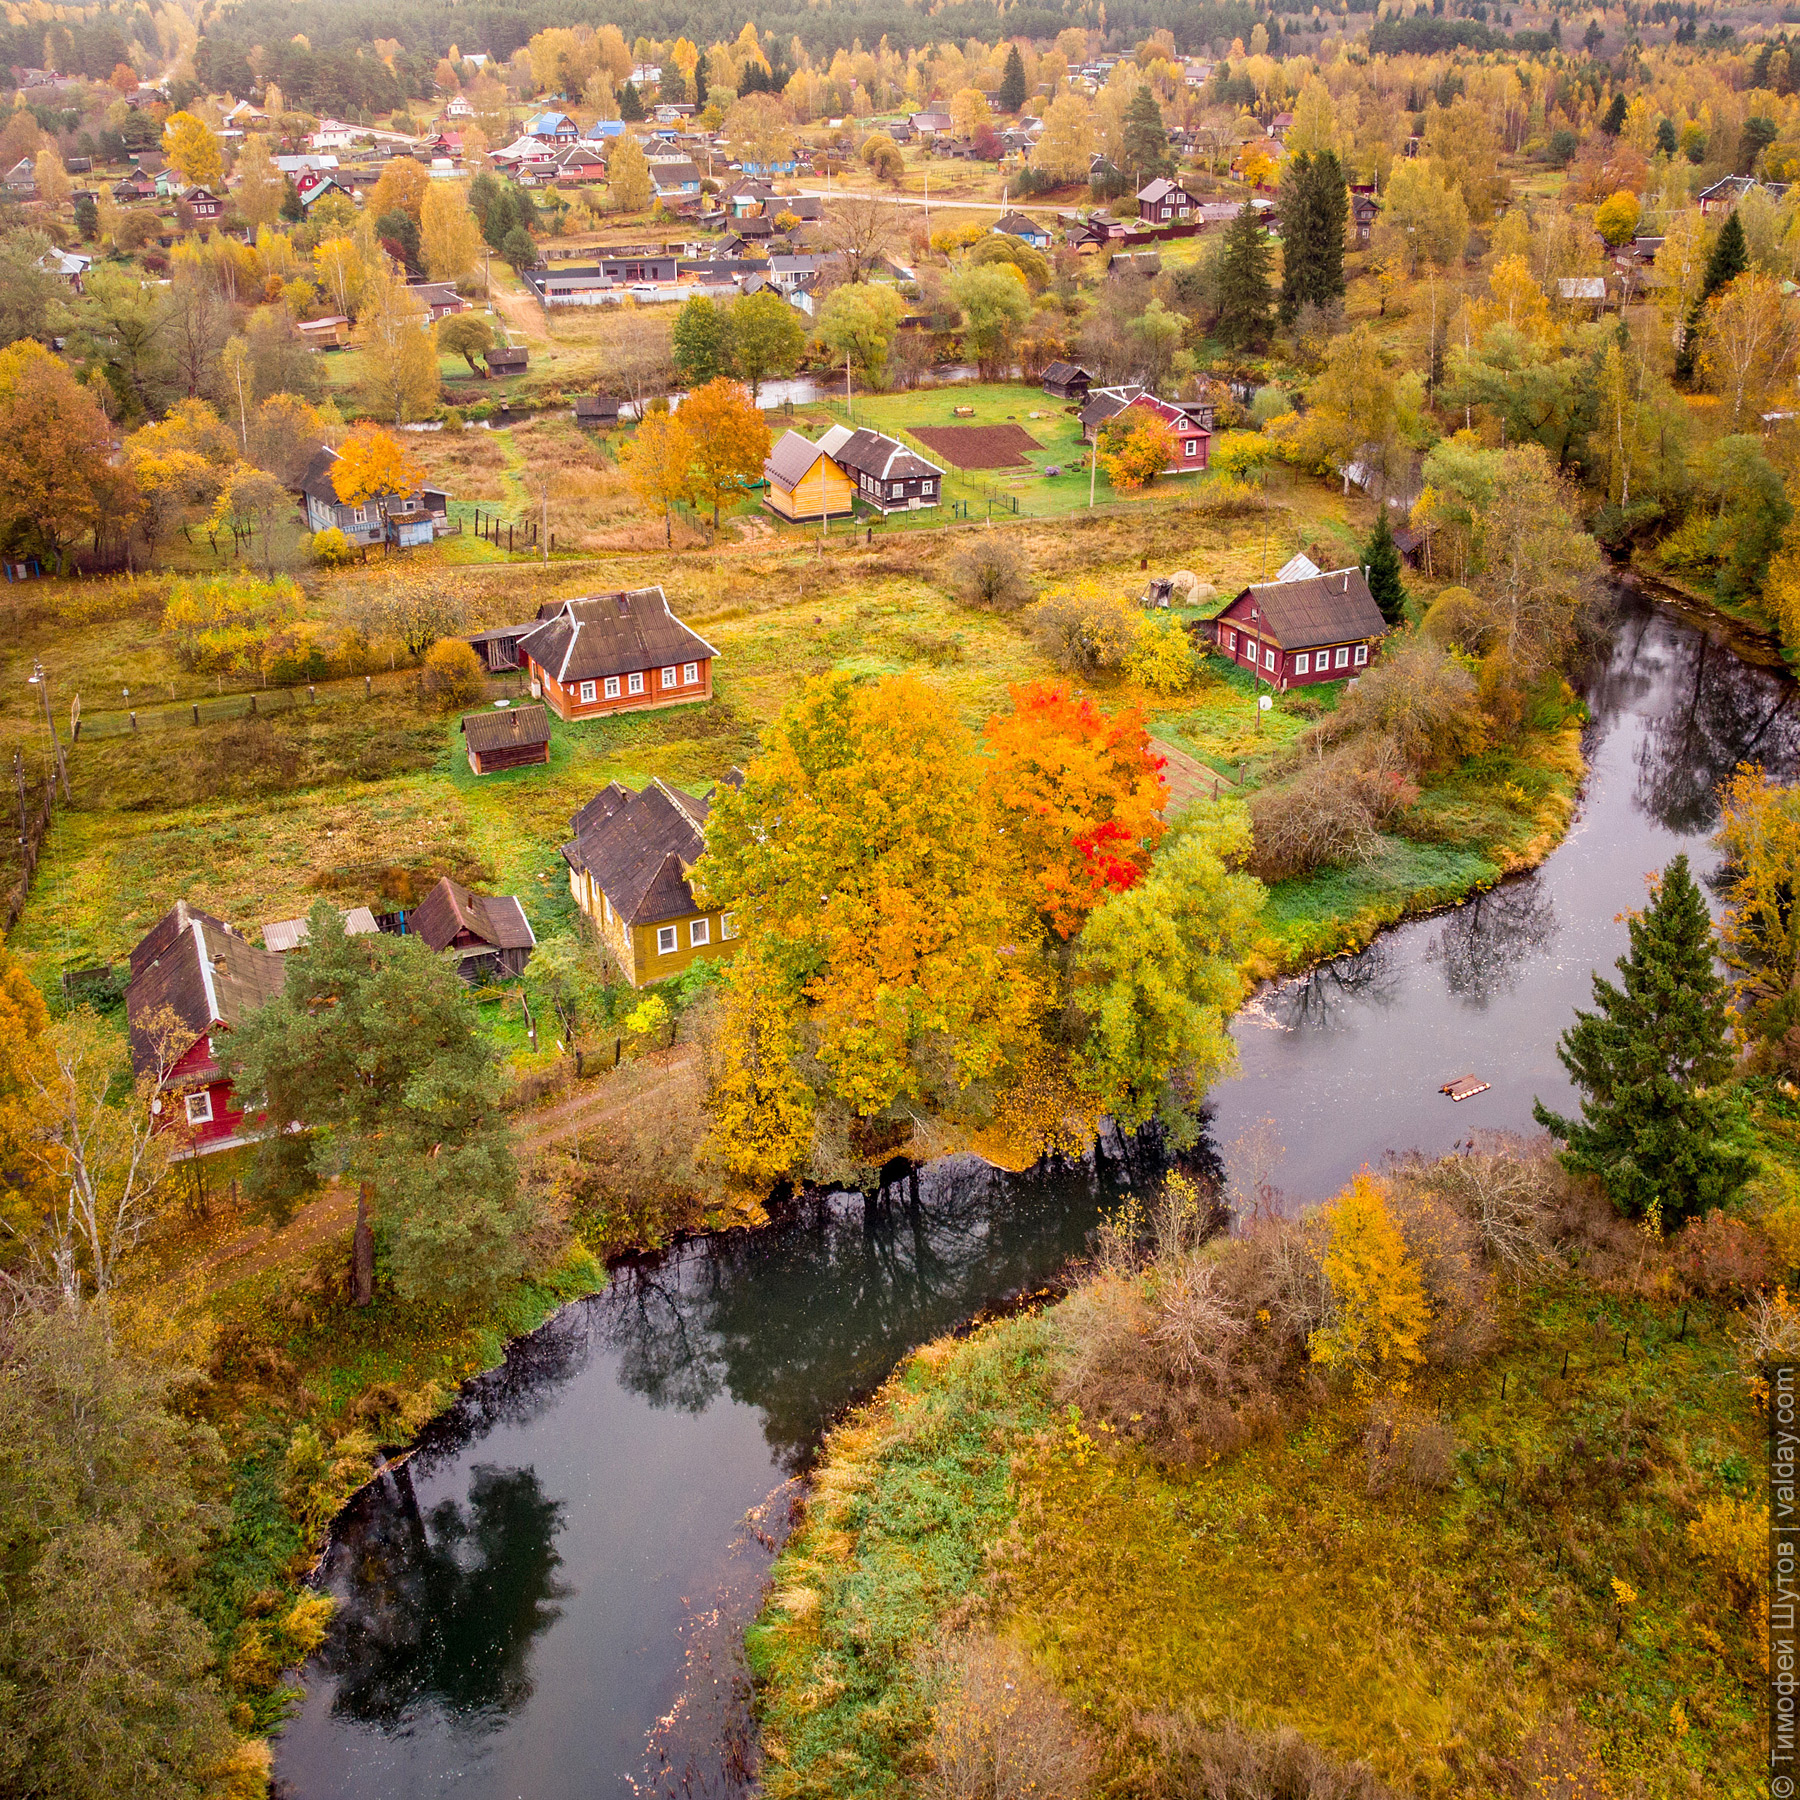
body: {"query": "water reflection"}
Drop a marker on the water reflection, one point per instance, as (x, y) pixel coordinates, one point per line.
(1328, 996)
(444, 1605)
(1485, 945)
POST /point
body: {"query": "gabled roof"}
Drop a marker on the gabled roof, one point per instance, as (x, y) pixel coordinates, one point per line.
(1297, 568)
(611, 634)
(1066, 372)
(450, 909)
(792, 457)
(1333, 608)
(639, 847)
(506, 728)
(875, 453)
(289, 934)
(1015, 224)
(199, 969)
(1161, 189)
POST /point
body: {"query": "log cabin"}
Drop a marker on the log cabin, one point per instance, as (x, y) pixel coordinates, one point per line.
(1296, 633)
(486, 936)
(512, 737)
(608, 653)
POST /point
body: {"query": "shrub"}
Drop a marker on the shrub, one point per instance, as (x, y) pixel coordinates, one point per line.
(1458, 620)
(1329, 817)
(1230, 1763)
(1220, 497)
(1085, 629)
(1733, 1535)
(991, 573)
(330, 548)
(1000, 1731)
(1423, 700)
(1407, 1448)
(453, 674)
(1162, 654)
(1379, 1309)
(1270, 403)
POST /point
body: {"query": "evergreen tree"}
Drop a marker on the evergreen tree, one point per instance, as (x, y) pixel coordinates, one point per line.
(700, 80)
(1314, 204)
(1146, 139)
(1381, 555)
(1612, 121)
(1666, 141)
(631, 103)
(1012, 82)
(1243, 291)
(1655, 1128)
(1729, 259)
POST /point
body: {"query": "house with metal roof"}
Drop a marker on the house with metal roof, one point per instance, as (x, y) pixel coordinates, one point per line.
(1163, 202)
(620, 652)
(884, 472)
(1297, 633)
(804, 481)
(631, 858)
(553, 127)
(1028, 231)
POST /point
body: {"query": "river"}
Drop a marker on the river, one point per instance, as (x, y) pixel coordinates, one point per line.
(545, 1600)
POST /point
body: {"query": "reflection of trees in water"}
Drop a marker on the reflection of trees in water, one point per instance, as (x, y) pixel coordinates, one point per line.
(1484, 943)
(1321, 999)
(442, 1607)
(1618, 676)
(1717, 711)
(802, 1319)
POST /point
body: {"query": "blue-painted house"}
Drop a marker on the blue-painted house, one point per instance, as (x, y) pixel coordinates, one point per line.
(553, 127)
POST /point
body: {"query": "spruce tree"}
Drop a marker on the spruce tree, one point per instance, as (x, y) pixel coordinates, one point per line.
(700, 80)
(1012, 82)
(1613, 121)
(631, 103)
(1314, 204)
(1729, 259)
(1655, 1127)
(1381, 556)
(1666, 141)
(1146, 139)
(1244, 281)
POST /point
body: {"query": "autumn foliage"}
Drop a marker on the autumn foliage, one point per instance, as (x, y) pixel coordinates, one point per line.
(372, 462)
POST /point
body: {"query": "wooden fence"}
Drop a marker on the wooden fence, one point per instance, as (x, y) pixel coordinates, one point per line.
(31, 841)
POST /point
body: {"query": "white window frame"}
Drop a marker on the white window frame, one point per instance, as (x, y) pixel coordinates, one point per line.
(612, 687)
(1362, 655)
(699, 932)
(1343, 656)
(605, 906)
(587, 693)
(1191, 447)
(1302, 663)
(634, 684)
(690, 674)
(671, 677)
(928, 487)
(203, 1114)
(1231, 640)
(1268, 656)
(727, 927)
(668, 940)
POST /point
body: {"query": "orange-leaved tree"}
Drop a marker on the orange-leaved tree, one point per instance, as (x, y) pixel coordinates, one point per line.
(1078, 794)
(1135, 447)
(372, 462)
(658, 459)
(729, 437)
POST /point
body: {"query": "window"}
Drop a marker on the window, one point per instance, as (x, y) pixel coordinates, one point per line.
(612, 687)
(1230, 640)
(587, 692)
(668, 939)
(727, 927)
(1300, 663)
(1343, 656)
(1362, 654)
(1192, 447)
(606, 908)
(634, 684)
(690, 673)
(926, 488)
(669, 677)
(699, 932)
(1269, 656)
(199, 1107)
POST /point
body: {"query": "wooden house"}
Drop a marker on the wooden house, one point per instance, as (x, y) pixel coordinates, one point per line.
(512, 737)
(805, 483)
(487, 936)
(1296, 633)
(1193, 439)
(599, 412)
(1067, 381)
(630, 859)
(608, 653)
(1027, 231)
(332, 333)
(440, 298)
(886, 475)
(203, 202)
(403, 520)
(504, 359)
(1163, 202)
(192, 979)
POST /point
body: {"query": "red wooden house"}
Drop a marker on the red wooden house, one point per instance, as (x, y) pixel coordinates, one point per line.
(1294, 633)
(193, 978)
(1193, 440)
(608, 653)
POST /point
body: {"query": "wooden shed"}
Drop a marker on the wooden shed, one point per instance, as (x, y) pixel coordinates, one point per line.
(507, 738)
(506, 360)
(804, 482)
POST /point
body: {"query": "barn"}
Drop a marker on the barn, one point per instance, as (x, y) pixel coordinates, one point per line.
(510, 737)
(1295, 633)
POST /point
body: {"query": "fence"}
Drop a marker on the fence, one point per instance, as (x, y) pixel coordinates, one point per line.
(225, 707)
(32, 830)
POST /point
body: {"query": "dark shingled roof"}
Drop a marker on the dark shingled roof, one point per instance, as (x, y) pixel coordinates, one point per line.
(886, 458)
(611, 634)
(201, 971)
(510, 728)
(638, 848)
(450, 908)
(1066, 372)
(1333, 608)
(792, 456)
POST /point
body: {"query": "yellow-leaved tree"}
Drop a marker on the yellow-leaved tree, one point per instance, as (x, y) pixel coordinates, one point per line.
(1759, 933)
(448, 232)
(1379, 1313)
(188, 143)
(372, 462)
(399, 350)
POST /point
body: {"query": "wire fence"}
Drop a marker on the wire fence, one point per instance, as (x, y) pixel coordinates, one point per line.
(263, 703)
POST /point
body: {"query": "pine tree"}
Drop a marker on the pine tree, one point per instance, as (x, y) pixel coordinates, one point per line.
(631, 103)
(1655, 1127)
(1729, 259)
(1244, 281)
(1314, 203)
(1012, 82)
(1381, 555)
(1146, 139)
(1613, 121)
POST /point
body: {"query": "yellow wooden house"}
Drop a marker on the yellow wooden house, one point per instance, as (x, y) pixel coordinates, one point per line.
(804, 483)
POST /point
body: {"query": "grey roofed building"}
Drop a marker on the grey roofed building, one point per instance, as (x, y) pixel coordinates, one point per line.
(597, 635)
(791, 458)
(196, 971)
(875, 454)
(282, 935)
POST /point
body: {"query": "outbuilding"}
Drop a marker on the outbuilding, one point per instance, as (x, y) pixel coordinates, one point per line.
(511, 737)
(804, 483)
(1296, 633)
(486, 936)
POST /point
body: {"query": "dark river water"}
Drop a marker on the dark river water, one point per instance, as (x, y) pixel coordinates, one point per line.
(545, 1600)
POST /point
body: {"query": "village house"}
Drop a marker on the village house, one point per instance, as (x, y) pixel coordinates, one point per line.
(404, 520)
(329, 333)
(599, 412)
(1067, 381)
(440, 298)
(1027, 231)
(804, 482)
(1295, 633)
(203, 202)
(887, 475)
(1162, 202)
(456, 107)
(509, 737)
(504, 359)
(553, 127)
(1193, 437)
(630, 860)
(608, 653)
(193, 978)
(486, 936)
(283, 935)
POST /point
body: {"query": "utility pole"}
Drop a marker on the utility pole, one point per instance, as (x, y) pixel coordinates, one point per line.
(544, 526)
(38, 679)
(1093, 467)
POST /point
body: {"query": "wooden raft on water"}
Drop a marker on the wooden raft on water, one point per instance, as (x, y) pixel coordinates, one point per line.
(1464, 1087)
